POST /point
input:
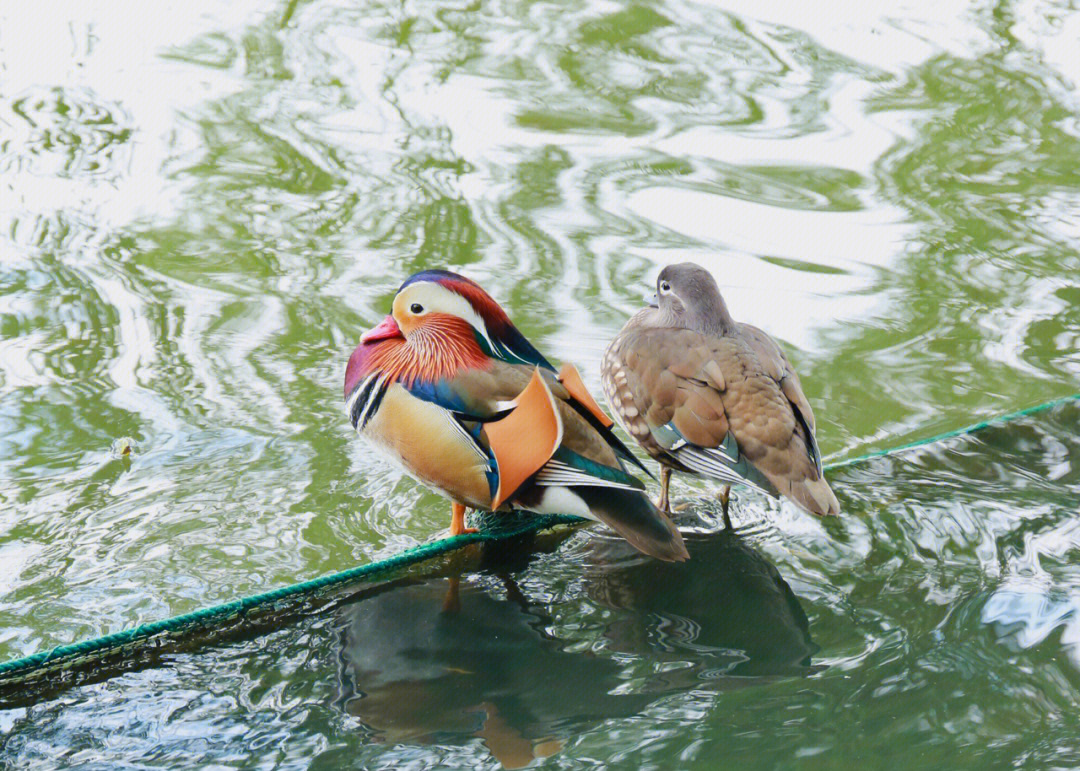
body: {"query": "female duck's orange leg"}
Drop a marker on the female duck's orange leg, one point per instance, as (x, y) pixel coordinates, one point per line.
(457, 520)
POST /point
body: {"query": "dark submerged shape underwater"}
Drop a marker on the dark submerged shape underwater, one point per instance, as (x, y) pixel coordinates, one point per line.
(704, 394)
(448, 387)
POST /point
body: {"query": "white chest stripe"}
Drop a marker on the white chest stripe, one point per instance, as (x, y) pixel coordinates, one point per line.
(371, 391)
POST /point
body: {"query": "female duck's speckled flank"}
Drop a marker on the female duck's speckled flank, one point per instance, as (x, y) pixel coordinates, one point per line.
(449, 387)
(707, 395)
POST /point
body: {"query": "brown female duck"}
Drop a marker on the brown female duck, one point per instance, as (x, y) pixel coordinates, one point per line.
(706, 395)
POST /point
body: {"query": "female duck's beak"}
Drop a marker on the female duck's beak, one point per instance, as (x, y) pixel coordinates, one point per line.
(385, 331)
(652, 300)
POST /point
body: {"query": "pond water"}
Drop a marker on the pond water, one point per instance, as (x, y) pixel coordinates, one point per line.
(203, 205)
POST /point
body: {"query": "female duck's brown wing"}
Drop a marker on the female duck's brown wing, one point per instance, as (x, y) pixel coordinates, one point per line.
(775, 362)
(713, 406)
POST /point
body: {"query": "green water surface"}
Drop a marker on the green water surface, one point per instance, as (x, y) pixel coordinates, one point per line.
(204, 204)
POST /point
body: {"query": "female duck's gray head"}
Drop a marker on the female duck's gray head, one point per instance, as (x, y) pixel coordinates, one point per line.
(688, 297)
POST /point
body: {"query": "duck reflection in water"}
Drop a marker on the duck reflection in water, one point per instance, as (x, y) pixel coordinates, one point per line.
(728, 612)
(424, 670)
(418, 666)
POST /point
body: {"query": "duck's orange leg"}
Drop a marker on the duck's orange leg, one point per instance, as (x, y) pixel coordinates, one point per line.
(457, 520)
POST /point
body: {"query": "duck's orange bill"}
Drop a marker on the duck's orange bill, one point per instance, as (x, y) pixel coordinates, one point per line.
(524, 440)
(570, 378)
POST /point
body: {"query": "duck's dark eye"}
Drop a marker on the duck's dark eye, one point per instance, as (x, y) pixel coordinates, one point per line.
(665, 286)
(416, 308)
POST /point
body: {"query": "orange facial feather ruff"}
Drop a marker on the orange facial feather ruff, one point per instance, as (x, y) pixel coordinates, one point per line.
(437, 349)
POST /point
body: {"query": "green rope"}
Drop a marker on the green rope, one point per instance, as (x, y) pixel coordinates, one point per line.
(995, 421)
(57, 656)
(67, 654)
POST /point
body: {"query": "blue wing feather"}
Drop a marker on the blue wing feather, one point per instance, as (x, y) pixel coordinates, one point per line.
(442, 393)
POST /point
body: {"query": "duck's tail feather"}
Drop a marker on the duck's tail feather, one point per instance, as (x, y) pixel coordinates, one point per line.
(632, 515)
(815, 496)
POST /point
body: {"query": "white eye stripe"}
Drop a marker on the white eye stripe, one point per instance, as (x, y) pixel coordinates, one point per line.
(439, 299)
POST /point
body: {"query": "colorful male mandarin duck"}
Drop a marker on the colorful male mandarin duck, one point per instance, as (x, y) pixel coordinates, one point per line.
(448, 387)
(707, 395)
